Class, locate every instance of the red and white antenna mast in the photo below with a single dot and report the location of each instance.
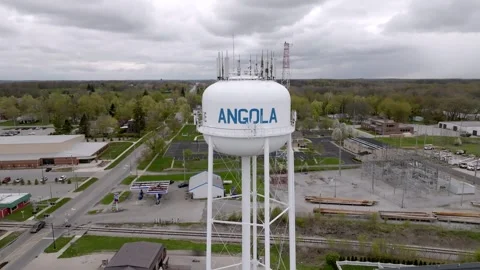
(286, 65)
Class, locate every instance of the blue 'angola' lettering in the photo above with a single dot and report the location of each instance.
(246, 116)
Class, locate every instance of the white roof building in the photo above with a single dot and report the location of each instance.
(197, 185)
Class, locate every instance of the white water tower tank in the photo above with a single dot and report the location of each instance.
(239, 114)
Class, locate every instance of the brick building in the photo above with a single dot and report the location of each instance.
(385, 127)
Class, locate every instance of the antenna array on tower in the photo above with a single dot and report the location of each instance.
(266, 70)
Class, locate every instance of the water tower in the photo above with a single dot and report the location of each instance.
(249, 115)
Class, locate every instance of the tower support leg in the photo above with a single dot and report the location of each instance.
(254, 214)
(291, 206)
(246, 204)
(266, 180)
(209, 204)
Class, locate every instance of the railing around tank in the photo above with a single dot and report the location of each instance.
(198, 121)
(245, 133)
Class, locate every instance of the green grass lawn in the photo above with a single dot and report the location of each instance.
(127, 153)
(201, 165)
(108, 199)
(471, 145)
(52, 208)
(160, 163)
(59, 244)
(9, 238)
(179, 177)
(89, 244)
(27, 211)
(124, 196)
(114, 149)
(128, 180)
(187, 133)
(86, 185)
(77, 179)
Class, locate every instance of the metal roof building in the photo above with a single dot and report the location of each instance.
(138, 256)
(11, 202)
(34, 151)
(197, 185)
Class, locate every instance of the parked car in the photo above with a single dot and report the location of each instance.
(6, 180)
(18, 180)
(182, 185)
(463, 165)
(428, 147)
(62, 178)
(460, 152)
(48, 169)
(37, 226)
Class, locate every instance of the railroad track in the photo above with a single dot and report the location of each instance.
(236, 237)
(303, 240)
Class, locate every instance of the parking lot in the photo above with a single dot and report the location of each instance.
(26, 131)
(32, 174)
(40, 191)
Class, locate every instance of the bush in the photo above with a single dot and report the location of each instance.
(331, 258)
(29, 182)
(36, 182)
(22, 182)
(69, 181)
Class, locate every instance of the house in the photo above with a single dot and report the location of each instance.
(385, 127)
(27, 119)
(197, 186)
(128, 126)
(139, 256)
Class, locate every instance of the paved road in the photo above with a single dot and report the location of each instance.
(26, 248)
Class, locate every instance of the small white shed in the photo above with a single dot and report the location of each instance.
(197, 185)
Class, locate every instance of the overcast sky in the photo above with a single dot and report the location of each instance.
(179, 39)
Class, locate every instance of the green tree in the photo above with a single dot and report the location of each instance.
(112, 110)
(139, 117)
(106, 124)
(84, 126)
(317, 110)
(67, 127)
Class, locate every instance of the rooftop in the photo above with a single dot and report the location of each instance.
(372, 141)
(201, 179)
(137, 255)
(6, 198)
(463, 123)
(10, 200)
(37, 139)
(79, 150)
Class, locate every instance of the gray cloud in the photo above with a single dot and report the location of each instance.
(438, 16)
(243, 17)
(110, 39)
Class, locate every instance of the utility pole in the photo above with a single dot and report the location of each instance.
(53, 236)
(339, 168)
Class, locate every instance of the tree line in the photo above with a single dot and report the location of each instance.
(98, 110)
(399, 100)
